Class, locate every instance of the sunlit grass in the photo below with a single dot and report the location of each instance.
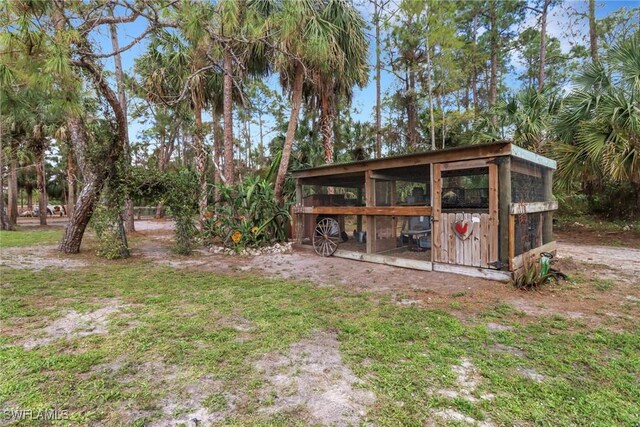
(30, 237)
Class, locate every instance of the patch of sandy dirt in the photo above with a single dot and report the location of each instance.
(185, 400)
(586, 237)
(608, 262)
(501, 348)
(30, 258)
(468, 378)
(453, 416)
(74, 325)
(313, 378)
(532, 374)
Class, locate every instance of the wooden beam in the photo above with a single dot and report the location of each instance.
(385, 259)
(518, 262)
(436, 220)
(470, 152)
(483, 273)
(494, 210)
(547, 216)
(504, 204)
(366, 210)
(359, 218)
(383, 177)
(533, 207)
(512, 236)
(532, 157)
(298, 220)
(370, 196)
(467, 164)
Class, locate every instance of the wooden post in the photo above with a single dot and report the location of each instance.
(359, 217)
(512, 238)
(394, 219)
(436, 205)
(298, 218)
(370, 194)
(547, 217)
(504, 203)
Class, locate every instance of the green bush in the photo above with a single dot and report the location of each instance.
(247, 215)
(112, 241)
(180, 195)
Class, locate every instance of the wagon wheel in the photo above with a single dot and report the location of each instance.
(326, 237)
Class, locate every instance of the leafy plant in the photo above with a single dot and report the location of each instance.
(247, 215)
(532, 276)
(181, 195)
(112, 242)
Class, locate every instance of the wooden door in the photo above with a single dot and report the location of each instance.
(464, 233)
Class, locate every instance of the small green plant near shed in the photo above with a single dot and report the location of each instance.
(247, 215)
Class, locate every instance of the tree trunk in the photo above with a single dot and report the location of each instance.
(129, 217)
(201, 163)
(474, 74)
(593, 31)
(495, 47)
(71, 182)
(543, 44)
(412, 119)
(430, 92)
(12, 207)
(218, 147)
(93, 175)
(5, 224)
(378, 73)
(326, 126)
(28, 188)
(227, 94)
(296, 102)
(82, 211)
(40, 179)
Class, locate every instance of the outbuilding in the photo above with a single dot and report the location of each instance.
(480, 210)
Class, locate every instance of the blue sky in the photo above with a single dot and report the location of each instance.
(364, 99)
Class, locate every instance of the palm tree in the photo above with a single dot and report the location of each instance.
(243, 27)
(305, 41)
(350, 48)
(598, 128)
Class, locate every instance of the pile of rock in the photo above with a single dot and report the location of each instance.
(278, 248)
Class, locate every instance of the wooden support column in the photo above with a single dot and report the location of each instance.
(359, 217)
(298, 218)
(436, 205)
(394, 219)
(547, 217)
(504, 204)
(370, 195)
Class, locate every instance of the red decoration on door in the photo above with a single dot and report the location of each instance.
(462, 229)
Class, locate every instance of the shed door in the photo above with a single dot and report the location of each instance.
(465, 213)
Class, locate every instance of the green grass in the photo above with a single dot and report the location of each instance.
(405, 354)
(30, 237)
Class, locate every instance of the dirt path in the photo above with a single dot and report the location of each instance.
(614, 262)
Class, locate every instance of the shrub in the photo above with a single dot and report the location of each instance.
(180, 195)
(107, 223)
(247, 215)
(533, 275)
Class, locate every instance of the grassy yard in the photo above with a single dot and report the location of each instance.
(171, 334)
(31, 237)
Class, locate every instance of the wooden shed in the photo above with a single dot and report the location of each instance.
(479, 210)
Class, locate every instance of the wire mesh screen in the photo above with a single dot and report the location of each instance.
(528, 232)
(526, 182)
(468, 188)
